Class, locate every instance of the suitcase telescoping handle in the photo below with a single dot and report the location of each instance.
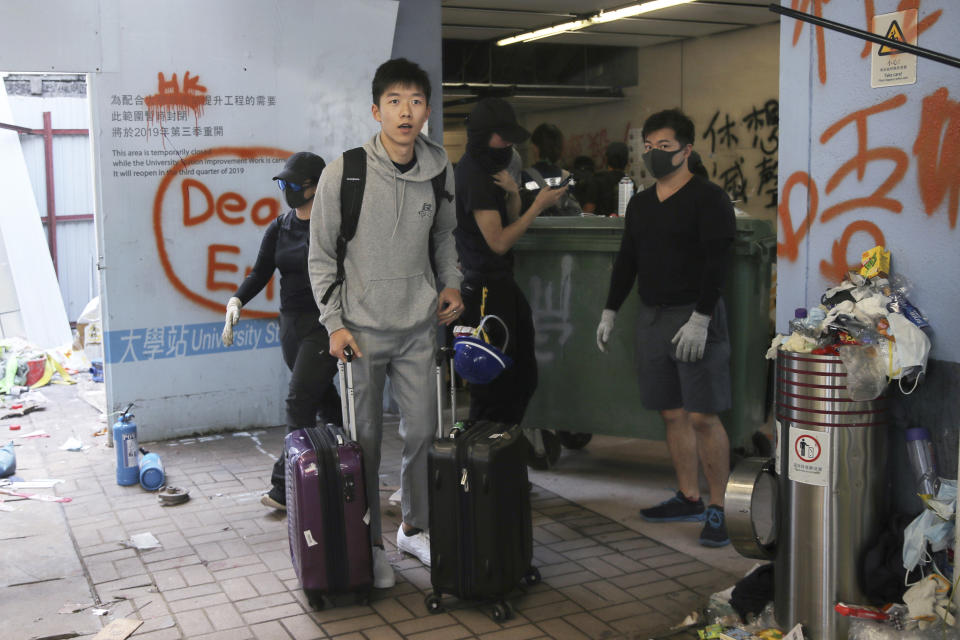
(347, 403)
(445, 354)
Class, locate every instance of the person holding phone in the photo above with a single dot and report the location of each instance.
(489, 223)
(547, 141)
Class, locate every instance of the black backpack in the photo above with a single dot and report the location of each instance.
(352, 183)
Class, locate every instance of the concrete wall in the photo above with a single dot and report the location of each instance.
(729, 80)
(862, 166)
(176, 231)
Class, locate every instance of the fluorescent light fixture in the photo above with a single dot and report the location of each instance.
(597, 18)
(545, 32)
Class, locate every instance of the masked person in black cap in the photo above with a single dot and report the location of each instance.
(675, 249)
(489, 223)
(303, 339)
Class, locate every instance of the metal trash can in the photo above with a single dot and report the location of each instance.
(830, 464)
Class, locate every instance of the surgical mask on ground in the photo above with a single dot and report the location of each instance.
(660, 163)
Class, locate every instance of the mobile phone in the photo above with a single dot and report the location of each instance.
(565, 182)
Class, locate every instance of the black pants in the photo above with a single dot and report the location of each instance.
(305, 346)
(506, 398)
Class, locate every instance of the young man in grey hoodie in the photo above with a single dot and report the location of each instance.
(387, 308)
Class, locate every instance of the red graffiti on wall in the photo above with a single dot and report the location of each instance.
(937, 149)
(911, 29)
(170, 95)
(228, 208)
(863, 157)
(802, 5)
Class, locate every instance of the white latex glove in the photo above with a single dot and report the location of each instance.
(605, 328)
(691, 339)
(233, 314)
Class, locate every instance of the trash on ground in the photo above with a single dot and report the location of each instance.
(99, 612)
(39, 433)
(118, 629)
(142, 541)
(74, 607)
(38, 483)
(42, 497)
(8, 460)
(73, 444)
(171, 496)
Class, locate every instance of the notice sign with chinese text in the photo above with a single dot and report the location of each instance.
(889, 67)
(809, 457)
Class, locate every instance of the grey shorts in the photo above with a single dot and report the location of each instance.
(666, 383)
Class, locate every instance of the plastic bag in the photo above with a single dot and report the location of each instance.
(866, 371)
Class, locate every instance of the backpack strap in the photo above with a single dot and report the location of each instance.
(352, 182)
(439, 183)
(537, 176)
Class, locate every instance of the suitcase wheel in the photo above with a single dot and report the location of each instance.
(434, 603)
(363, 598)
(532, 576)
(315, 601)
(501, 611)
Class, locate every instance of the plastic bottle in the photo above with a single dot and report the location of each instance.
(923, 461)
(797, 325)
(624, 193)
(814, 321)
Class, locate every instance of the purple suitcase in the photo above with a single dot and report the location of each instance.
(327, 515)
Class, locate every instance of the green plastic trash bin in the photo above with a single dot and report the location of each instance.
(563, 266)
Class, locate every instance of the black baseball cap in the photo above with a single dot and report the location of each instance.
(496, 116)
(302, 166)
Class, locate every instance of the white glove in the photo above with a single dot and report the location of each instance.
(605, 328)
(233, 314)
(691, 339)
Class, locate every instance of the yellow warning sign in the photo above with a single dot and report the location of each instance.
(890, 66)
(893, 33)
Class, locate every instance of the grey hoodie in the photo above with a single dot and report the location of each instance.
(389, 284)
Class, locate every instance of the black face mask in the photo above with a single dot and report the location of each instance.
(492, 160)
(296, 199)
(660, 163)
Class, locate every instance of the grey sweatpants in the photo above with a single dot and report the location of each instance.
(408, 358)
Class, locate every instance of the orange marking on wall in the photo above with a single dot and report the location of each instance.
(864, 156)
(910, 30)
(789, 248)
(170, 95)
(801, 5)
(223, 205)
(937, 149)
(836, 270)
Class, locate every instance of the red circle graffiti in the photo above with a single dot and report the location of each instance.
(242, 152)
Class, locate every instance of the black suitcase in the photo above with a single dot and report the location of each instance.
(481, 532)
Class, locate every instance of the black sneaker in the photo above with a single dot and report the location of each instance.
(714, 532)
(275, 499)
(677, 509)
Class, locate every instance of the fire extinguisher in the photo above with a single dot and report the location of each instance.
(125, 443)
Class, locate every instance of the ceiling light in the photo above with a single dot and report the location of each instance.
(597, 18)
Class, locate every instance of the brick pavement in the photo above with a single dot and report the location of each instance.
(224, 570)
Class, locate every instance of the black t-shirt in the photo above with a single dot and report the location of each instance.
(603, 192)
(476, 191)
(676, 250)
(403, 168)
(284, 246)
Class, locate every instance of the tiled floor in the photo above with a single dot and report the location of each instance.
(224, 569)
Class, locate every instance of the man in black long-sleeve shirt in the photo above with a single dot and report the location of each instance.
(675, 245)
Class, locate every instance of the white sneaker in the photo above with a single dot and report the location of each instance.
(383, 577)
(417, 545)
